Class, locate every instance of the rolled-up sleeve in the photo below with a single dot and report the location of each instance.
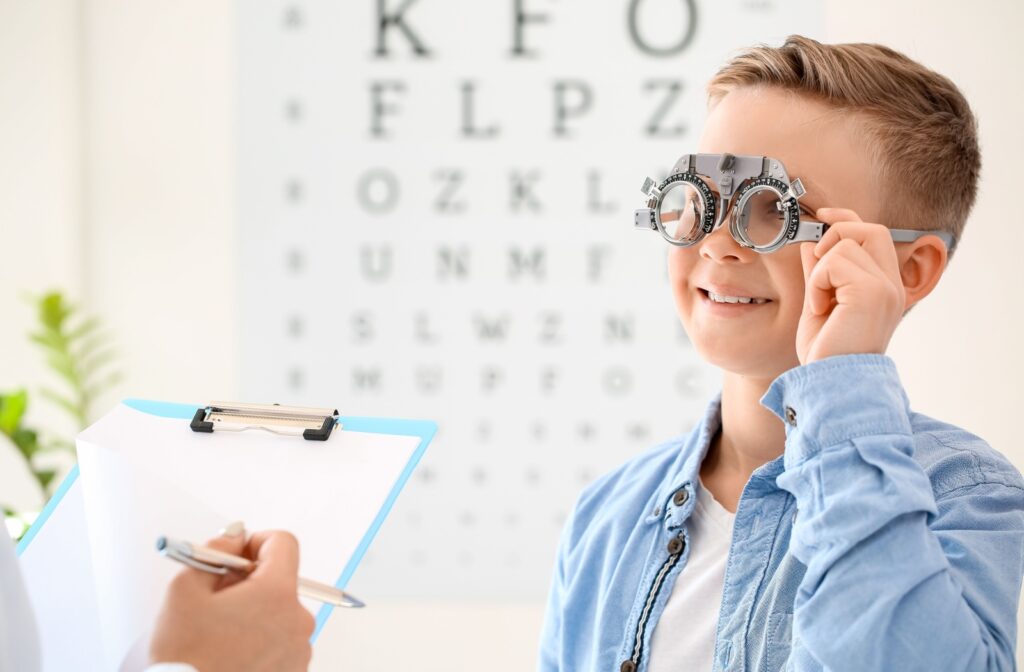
(899, 576)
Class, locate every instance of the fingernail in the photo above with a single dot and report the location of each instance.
(233, 530)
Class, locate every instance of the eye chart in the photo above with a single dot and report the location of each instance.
(435, 203)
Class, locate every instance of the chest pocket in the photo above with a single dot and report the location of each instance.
(780, 641)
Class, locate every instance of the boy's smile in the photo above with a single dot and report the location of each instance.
(816, 144)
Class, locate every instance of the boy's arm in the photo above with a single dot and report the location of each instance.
(895, 580)
(551, 632)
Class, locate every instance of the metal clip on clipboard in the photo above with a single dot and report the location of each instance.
(312, 424)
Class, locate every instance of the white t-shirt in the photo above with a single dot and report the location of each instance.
(684, 637)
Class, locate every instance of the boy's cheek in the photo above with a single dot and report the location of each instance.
(679, 261)
(788, 278)
(679, 267)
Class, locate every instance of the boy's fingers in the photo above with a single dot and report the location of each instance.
(856, 253)
(807, 259)
(831, 215)
(874, 238)
(812, 294)
(831, 275)
(840, 220)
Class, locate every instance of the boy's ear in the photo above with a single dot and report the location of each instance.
(922, 263)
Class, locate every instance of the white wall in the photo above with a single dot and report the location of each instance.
(158, 130)
(41, 193)
(116, 134)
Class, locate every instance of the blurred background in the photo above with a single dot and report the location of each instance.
(423, 209)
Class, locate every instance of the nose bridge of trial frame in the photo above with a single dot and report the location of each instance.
(727, 172)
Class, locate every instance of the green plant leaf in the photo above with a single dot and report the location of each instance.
(62, 364)
(26, 441)
(12, 408)
(49, 340)
(71, 407)
(87, 327)
(79, 352)
(45, 477)
(53, 310)
(88, 345)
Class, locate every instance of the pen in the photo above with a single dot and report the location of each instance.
(218, 562)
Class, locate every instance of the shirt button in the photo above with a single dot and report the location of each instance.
(791, 416)
(627, 666)
(680, 497)
(675, 545)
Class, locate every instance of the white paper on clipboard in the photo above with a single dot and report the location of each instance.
(93, 562)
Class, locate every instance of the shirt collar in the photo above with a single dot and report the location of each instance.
(694, 449)
(697, 446)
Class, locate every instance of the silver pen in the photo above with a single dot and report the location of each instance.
(218, 562)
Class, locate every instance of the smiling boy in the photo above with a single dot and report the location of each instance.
(811, 520)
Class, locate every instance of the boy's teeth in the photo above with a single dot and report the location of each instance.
(734, 299)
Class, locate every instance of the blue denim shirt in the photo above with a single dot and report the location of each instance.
(880, 540)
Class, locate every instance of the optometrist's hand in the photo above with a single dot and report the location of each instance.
(853, 293)
(219, 623)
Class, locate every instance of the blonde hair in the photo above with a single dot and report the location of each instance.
(924, 134)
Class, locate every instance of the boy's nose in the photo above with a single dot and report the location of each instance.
(721, 247)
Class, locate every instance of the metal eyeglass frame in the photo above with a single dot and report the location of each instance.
(740, 178)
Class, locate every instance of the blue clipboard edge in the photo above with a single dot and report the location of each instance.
(424, 429)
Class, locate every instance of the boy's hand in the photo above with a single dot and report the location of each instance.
(853, 292)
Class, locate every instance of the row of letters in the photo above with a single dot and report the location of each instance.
(380, 263)
(430, 380)
(544, 328)
(396, 19)
(379, 191)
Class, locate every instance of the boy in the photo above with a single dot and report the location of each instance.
(810, 520)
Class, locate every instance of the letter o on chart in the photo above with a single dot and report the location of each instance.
(378, 191)
(658, 19)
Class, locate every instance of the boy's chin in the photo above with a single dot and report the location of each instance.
(755, 362)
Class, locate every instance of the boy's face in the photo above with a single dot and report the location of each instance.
(821, 146)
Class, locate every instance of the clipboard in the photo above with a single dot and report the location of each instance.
(93, 575)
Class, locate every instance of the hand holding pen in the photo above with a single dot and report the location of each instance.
(233, 621)
(218, 562)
